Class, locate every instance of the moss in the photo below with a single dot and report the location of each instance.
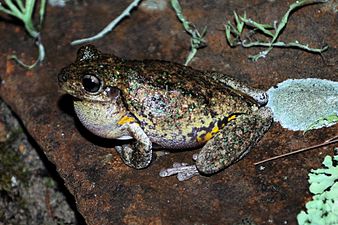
(12, 171)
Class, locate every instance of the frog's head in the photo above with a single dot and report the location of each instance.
(91, 77)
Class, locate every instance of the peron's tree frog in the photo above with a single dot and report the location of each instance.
(173, 106)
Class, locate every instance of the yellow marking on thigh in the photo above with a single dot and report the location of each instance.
(204, 137)
(207, 136)
(126, 119)
(232, 117)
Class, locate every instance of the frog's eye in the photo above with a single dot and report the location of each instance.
(91, 83)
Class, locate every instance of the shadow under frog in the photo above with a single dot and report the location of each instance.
(167, 104)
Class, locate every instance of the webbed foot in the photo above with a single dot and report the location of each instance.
(182, 170)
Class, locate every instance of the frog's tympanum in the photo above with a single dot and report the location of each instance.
(176, 107)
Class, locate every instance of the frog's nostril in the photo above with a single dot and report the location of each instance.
(63, 77)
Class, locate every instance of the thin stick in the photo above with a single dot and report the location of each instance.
(331, 139)
(327, 142)
(110, 26)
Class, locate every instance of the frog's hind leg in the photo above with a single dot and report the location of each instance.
(226, 147)
(234, 141)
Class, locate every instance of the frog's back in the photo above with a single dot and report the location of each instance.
(178, 106)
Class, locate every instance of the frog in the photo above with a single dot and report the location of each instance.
(152, 104)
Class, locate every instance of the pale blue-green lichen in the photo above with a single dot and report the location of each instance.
(298, 104)
(110, 26)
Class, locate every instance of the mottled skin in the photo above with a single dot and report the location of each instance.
(165, 103)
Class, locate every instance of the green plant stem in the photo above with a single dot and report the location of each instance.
(14, 9)
(20, 5)
(292, 7)
(262, 27)
(236, 31)
(110, 26)
(25, 14)
(42, 11)
(40, 58)
(197, 40)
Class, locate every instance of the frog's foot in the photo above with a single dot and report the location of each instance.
(134, 158)
(137, 154)
(182, 170)
(161, 153)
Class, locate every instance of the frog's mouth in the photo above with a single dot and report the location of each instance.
(88, 99)
(78, 93)
(65, 89)
(107, 95)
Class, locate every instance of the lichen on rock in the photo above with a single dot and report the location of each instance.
(298, 104)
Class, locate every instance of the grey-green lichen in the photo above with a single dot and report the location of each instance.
(298, 104)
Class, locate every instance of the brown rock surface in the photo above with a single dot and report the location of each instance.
(107, 191)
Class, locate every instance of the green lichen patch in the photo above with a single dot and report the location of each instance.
(323, 208)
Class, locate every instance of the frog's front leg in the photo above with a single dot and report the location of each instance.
(227, 146)
(137, 154)
(260, 96)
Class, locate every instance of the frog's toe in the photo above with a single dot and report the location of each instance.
(261, 98)
(118, 149)
(161, 153)
(182, 171)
